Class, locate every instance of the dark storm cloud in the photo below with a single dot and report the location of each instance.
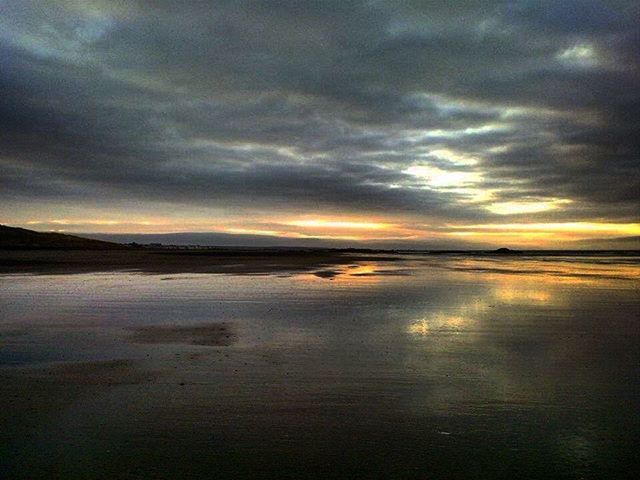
(322, 104)
(572, 17)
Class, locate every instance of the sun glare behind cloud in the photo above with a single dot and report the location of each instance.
(515, 208)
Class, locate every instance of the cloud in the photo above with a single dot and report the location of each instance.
(315, 107)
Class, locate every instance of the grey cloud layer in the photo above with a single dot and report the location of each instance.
(321, 104)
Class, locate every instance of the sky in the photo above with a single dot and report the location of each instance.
(433, 123)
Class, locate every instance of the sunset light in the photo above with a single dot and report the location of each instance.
(338, 224)
(395, 129)
(319, 239)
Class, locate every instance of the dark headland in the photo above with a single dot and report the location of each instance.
(30, 252)
(12, 238)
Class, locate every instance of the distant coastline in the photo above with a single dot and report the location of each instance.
(27, 252)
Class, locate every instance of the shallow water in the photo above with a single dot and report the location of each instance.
(432, 367)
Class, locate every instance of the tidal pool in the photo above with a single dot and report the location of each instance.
(428, 367)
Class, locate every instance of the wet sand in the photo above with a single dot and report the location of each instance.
(447, 368)
(108, 372)
(235, 261)
(213, 335)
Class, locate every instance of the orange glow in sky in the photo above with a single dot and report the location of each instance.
(355, 229)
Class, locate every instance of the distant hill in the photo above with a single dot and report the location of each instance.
(12, 238)
(218, 239)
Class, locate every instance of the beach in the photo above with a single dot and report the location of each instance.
(388, 366)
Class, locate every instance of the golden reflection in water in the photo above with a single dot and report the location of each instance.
(541, 287)
(361, 273)
(362, 270)
(420, 328)
(509, 289)
(440, 323)
(548, 272)
(455, 321)
(517, 294)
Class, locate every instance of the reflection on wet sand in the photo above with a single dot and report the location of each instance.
(359, 273)
(488, 371)
(439, 323)
(557, 269)
(465, 315)
(516, 294)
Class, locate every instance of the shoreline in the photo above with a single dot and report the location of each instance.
(227, 260)
(178, 261)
